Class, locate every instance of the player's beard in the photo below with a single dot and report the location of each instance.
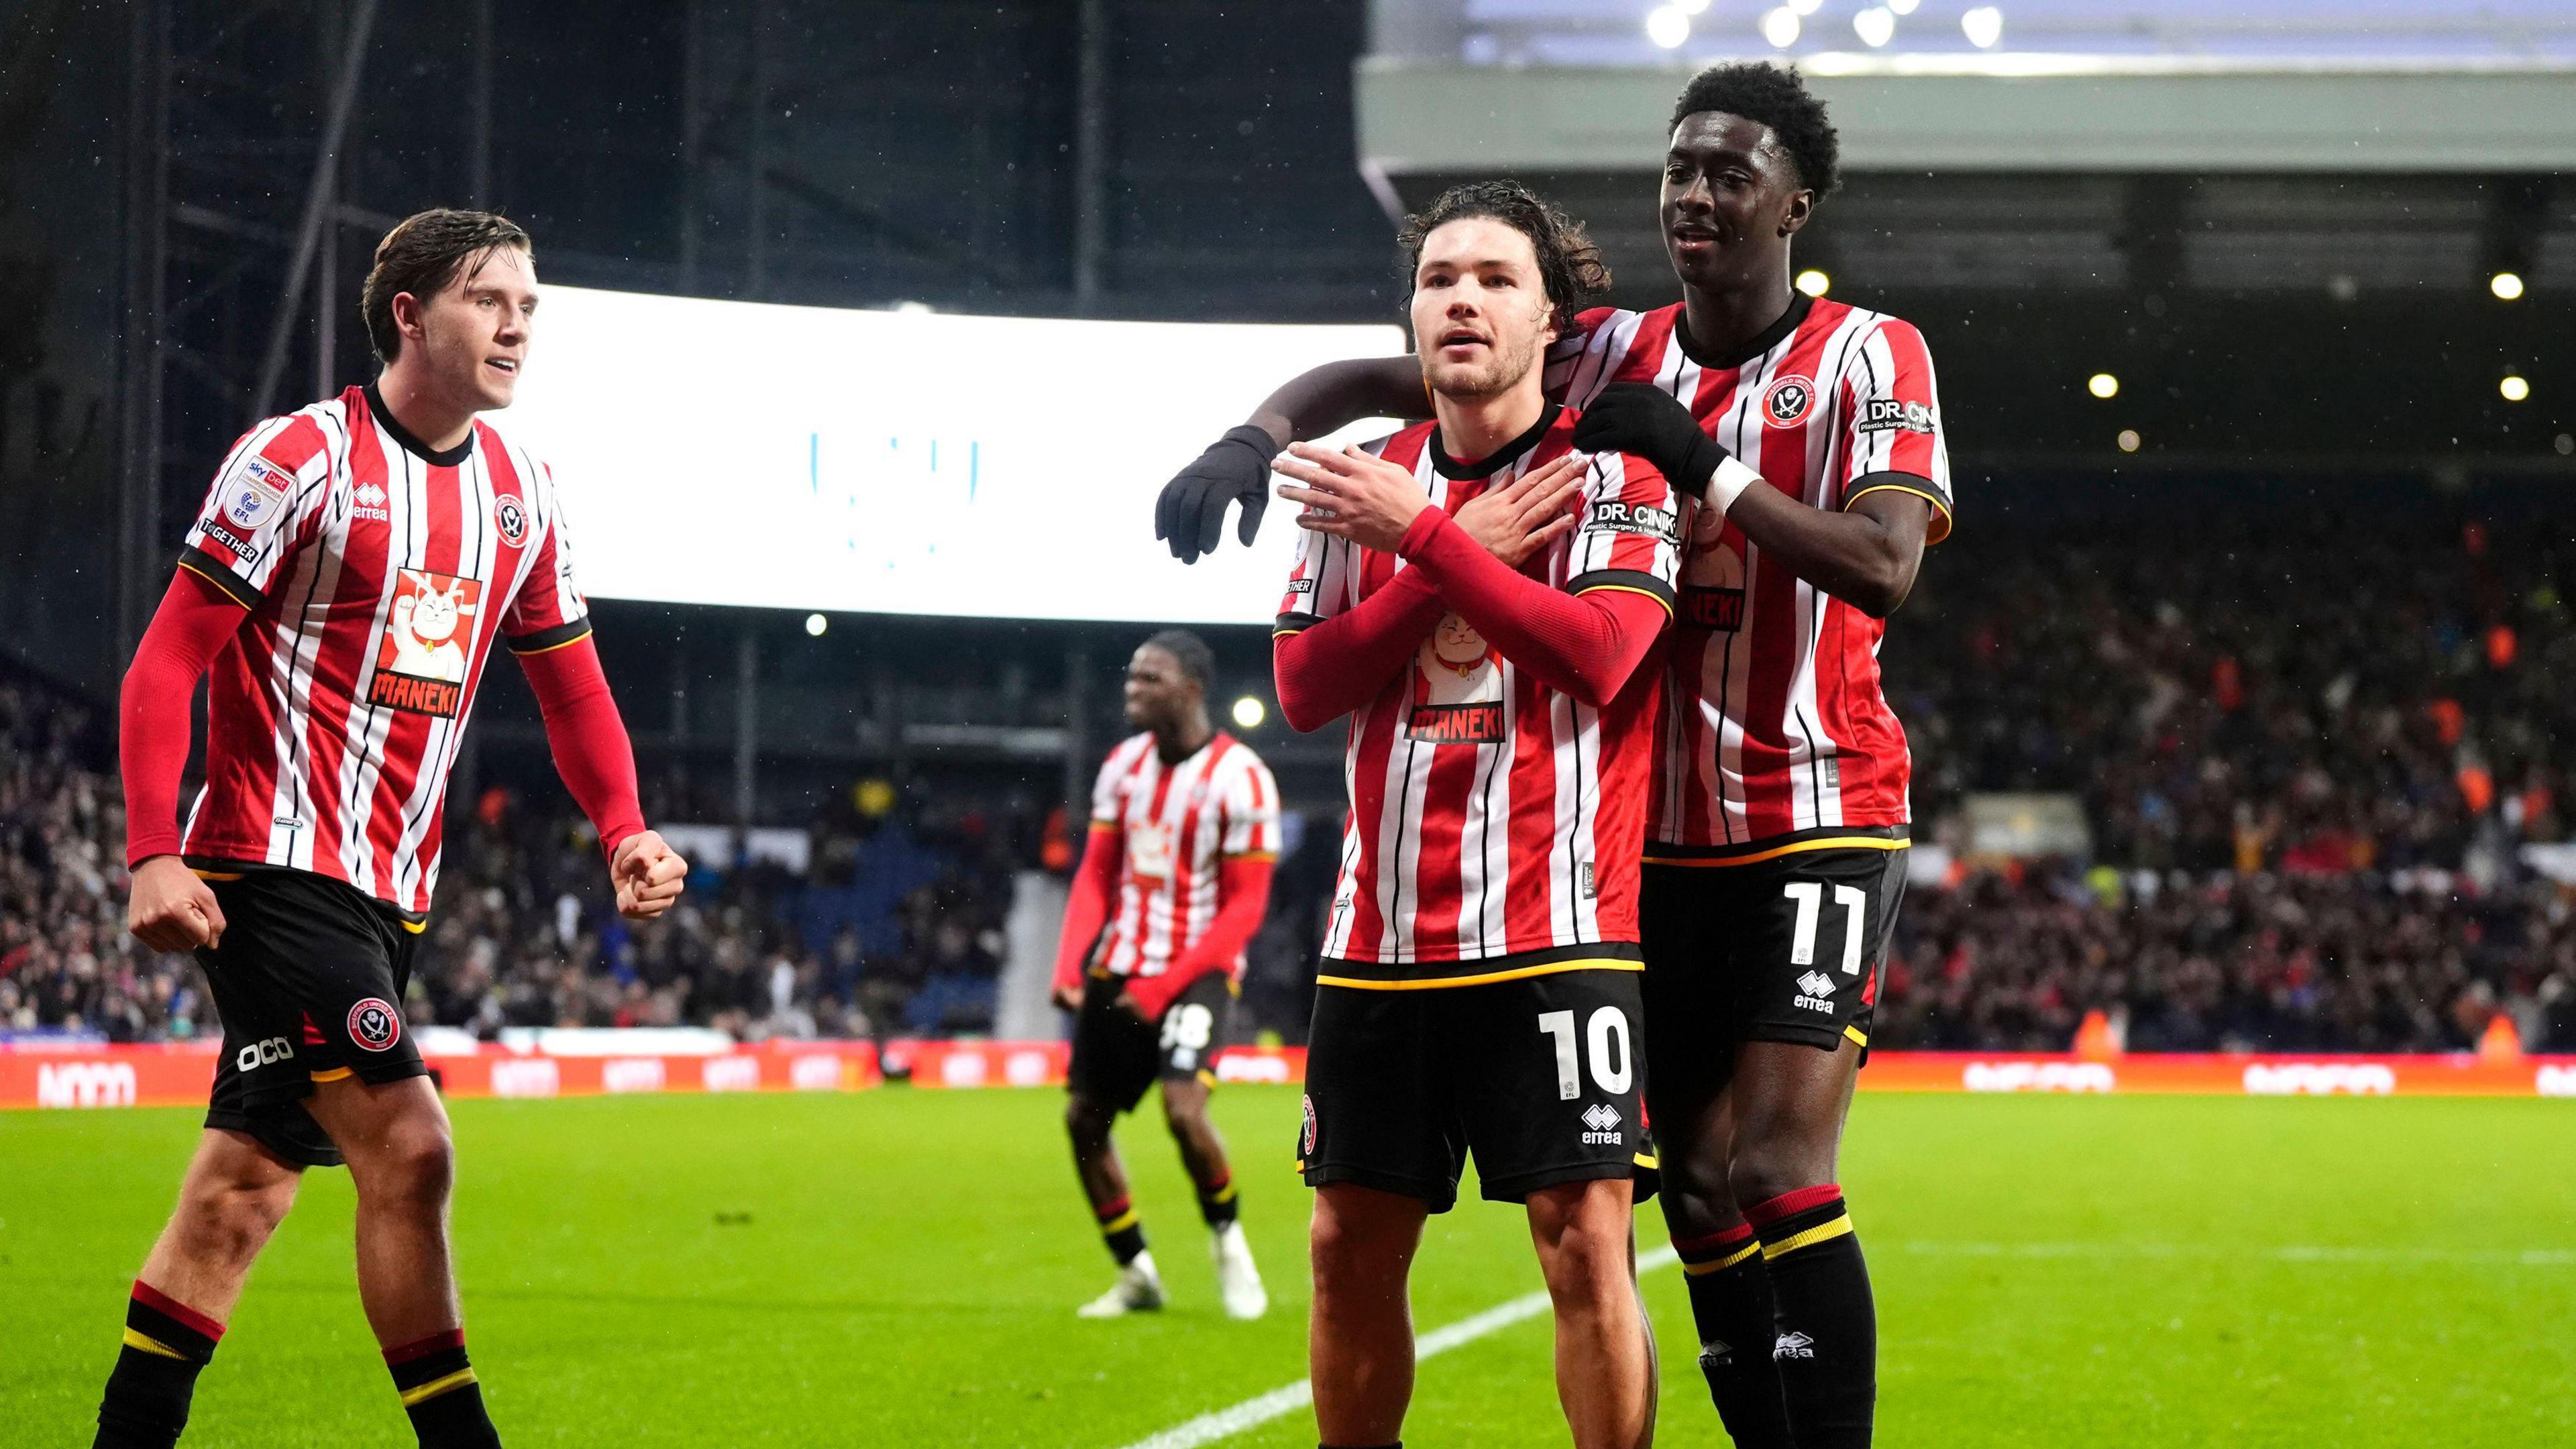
(1511, 362)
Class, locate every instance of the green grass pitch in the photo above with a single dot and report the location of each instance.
(900, 1268)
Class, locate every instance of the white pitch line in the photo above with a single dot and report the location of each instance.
(1287, 1399)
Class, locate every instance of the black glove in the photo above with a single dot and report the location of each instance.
(1190, 515)
(1632, 417)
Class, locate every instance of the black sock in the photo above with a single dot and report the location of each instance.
(1217, 1201)
(1121, 1229)
(440, 1393)
(1828, 1345)
(166, 1343)
(1730, 1295)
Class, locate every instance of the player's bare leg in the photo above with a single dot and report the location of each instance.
(1104, 1185)
(1730, 1284)
(1360, 1333)
(1581, 1231)
(1185, 1110)
(1789, 1103)
(402, 1161)
(231, 1200)
(234, 1195)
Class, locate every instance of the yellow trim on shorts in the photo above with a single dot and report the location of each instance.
(1517, 973)
(437, 1386)
(1207, 1079)
(1822, 1232)
(1858, 1036)
(415, 927)
(215, 874)
(1830, 842)
(1649, 1161)
(1271, 855)
(136, 1338)
(336, 1074)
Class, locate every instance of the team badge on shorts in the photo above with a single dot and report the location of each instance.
(1786, 402)
(373, 1024)
(510, 518)
(1306, 1141)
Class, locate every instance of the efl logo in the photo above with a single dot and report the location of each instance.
(2039, 1077)
(2314, 1079)
(85, 1084)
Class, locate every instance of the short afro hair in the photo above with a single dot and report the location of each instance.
(1568, 262)
(1188, 650)
(1777, 96)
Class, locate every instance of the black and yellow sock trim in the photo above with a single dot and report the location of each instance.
(1718, 1251)
(1217, 1205)
(1795, 1221)
(1121, 1228)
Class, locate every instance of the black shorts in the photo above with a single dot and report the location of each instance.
(1117, 1054)
(309, 981)
(1790, 949)
(1541, 1078)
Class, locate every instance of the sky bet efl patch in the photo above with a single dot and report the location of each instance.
(256, 495)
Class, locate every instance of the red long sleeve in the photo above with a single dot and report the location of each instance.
(186, 633)
(587, 738)
(1086, 910)
(1242, 894)
(1584, 645)
(1326, 671)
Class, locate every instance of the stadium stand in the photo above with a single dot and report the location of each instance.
(2309, 803)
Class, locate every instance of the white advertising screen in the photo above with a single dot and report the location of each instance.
(814, 458)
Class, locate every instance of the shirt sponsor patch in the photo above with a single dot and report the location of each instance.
(1712, 608)
(1614, 516)
(1889, 414)
(420, 659)
(1456, 724)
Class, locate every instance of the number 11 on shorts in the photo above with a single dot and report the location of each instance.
(1810, 897)
(1611, 1064)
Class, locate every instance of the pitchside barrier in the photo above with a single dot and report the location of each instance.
(41, 1072)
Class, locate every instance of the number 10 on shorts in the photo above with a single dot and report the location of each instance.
(1606, 1038)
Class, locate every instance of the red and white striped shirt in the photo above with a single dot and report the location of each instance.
(1776, 730)
(378, 573)
(1176, 822)
(1495, 822)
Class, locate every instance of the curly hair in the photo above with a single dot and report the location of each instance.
(1777, 96)
(1568, 262)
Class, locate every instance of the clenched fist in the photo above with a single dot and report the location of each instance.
(648, 875)
(169, 909)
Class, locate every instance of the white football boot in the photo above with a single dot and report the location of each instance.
(1139, 1290)
(1237, 1281)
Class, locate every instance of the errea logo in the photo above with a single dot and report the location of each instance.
(1816, 986)
(1601, 1124)
(1793, 1345)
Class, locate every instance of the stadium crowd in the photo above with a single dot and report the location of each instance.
(2308, 805)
